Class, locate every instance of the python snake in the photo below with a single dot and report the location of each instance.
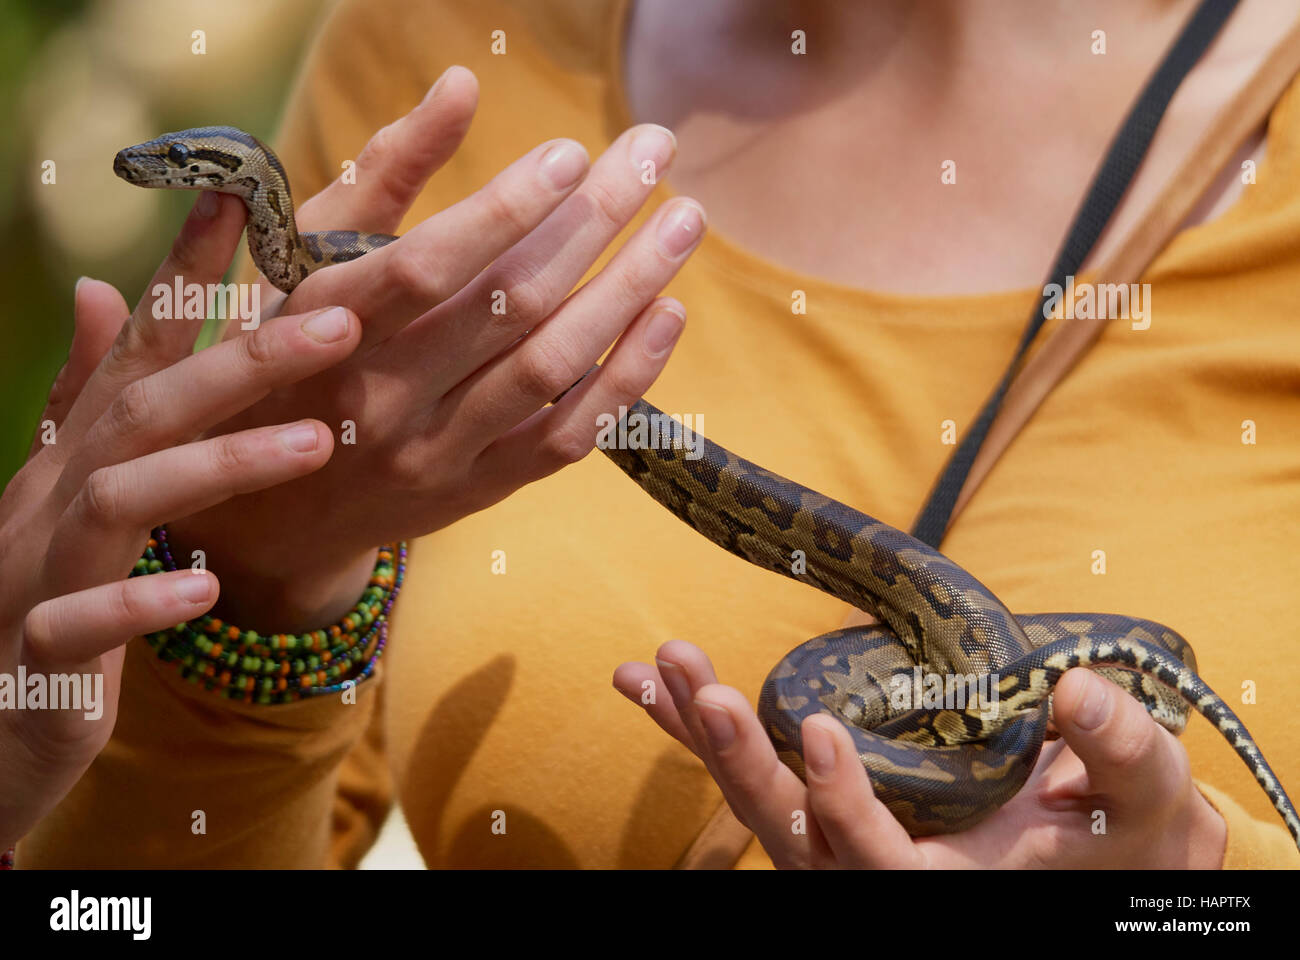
(941, 765)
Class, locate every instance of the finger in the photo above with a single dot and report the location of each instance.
(859, 830)
(543, 364)
(78, 627)
(533, 277)
(398, 160)
(762, 791)
(118, 504)
(180, 402)
(1129, 758)
(685, 669)
(562, 434)
(395, 284)
(643, 685)
(200, 255)
(99, 312)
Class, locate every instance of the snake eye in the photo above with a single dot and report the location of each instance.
(179, 154)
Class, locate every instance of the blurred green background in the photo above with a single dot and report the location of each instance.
(79, 80)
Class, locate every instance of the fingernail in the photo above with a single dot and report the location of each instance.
(564, 163)
(662, 331)
(328, 326)
(1095, 707)
(818, 750)
(207, 205)
(77, 286)
(675, 678)
(300, 438)
(433, 90)
(717, 724)
(680, 228)
(655, 144)
(193, 589)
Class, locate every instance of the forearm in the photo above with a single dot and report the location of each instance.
(191, 779)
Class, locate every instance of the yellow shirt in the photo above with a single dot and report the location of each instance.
(496, 690)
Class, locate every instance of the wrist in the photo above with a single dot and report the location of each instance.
(312, 590)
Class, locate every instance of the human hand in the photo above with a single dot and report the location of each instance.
(1112, 758)
(449, 398)
(115, 457)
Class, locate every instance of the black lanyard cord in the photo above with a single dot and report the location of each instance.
(1125, 155)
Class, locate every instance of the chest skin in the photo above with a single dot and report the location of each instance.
(832, 162)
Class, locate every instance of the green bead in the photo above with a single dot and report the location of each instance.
(250, 636)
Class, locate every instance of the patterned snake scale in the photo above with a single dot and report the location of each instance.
(939, 766)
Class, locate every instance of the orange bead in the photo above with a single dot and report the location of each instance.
(216, 650)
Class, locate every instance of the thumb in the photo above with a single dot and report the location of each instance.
(1128, 756)
(98, 314)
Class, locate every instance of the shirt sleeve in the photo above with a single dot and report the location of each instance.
(192, 779)
(1252, 844)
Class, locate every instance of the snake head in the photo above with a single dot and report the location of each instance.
(204, 158)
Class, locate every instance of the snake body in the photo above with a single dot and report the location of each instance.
(940, 765)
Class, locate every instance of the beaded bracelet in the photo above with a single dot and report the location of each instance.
(279, 667)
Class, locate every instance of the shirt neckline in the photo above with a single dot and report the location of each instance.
(761, 274)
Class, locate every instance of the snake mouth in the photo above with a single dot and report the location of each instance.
(141, 169)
